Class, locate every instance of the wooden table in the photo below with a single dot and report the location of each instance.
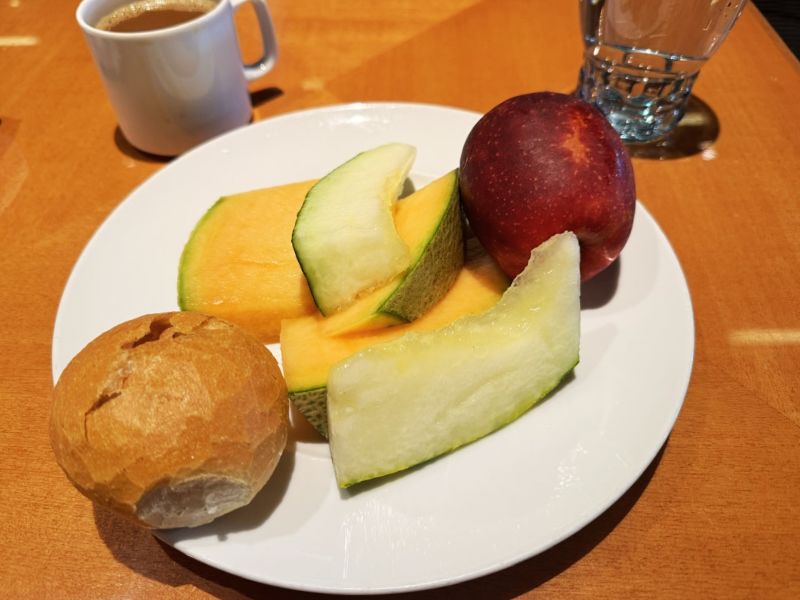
(717, 514)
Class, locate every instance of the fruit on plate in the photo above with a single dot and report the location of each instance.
(238, 263)
(309, 352)
(400, 403)
(429, 223)
(543, 163)
(345, 237)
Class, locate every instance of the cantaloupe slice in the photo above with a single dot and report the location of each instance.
(397, 404)
(309, 353)
(429, 222)
(238, 263)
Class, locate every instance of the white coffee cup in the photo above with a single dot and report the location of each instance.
(174, 88)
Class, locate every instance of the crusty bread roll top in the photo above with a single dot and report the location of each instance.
(171, 419)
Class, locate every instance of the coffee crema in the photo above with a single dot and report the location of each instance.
(149, 15)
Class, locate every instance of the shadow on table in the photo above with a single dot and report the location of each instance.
(128, 149)
(260, 97)
(696, 132)
(142, 552)
(257, 98)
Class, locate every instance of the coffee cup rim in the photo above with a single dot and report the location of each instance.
(140, 35)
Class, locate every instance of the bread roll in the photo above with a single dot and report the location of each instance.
(171, 419)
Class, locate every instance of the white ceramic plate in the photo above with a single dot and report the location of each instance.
(489, 505)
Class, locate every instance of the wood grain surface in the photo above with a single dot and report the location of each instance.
(717, 515)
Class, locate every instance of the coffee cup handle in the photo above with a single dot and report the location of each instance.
(264, 64)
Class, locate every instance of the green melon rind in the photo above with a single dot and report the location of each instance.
(187, 254)
(369, 439)
(436, 270)
(307, 264)
(312, 405)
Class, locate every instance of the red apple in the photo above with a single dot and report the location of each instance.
(543, 163)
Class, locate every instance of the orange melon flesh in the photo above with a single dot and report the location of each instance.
(309, 353)
(239, 264)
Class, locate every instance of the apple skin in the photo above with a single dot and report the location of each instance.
(542, 163)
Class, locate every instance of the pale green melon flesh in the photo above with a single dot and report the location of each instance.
(345, 238)
(397, 404)
(429, 221)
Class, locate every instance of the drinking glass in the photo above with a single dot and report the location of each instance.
(641, 58)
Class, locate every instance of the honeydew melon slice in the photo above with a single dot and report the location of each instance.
(308, 352)
(400, 403)
(429, 222)
(345, 237)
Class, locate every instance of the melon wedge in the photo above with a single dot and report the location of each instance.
(429, 222)
(309, 352)
(345, 237)
(398, 404)
(238, 263)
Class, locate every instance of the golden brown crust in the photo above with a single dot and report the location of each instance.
(164, 398)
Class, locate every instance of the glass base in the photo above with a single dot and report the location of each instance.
(641, 103)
